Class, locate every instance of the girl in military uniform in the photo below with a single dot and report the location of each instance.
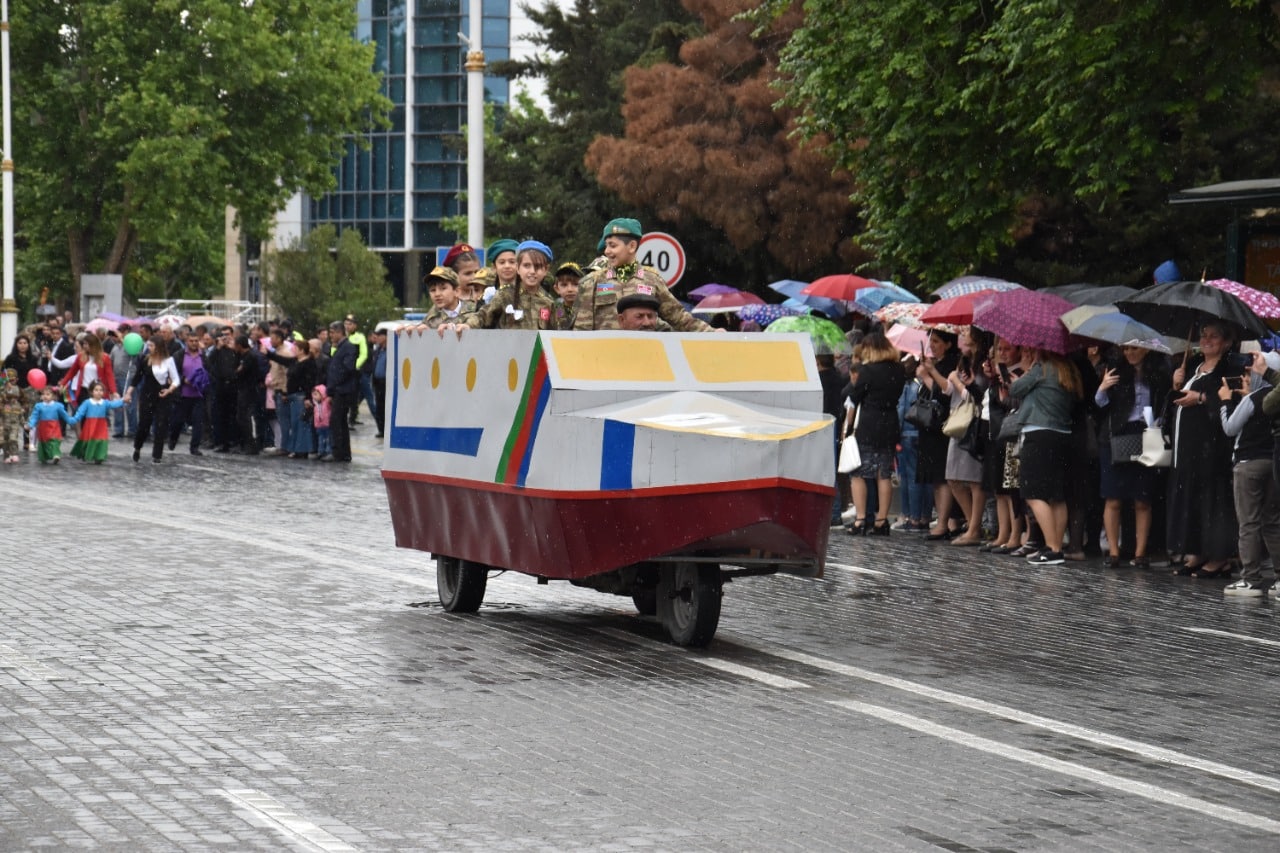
(524, 304)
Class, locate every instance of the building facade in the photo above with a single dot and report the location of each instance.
(396, 189)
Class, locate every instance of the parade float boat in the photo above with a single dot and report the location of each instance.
(651, 465)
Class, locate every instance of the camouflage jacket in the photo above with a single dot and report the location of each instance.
(437, 317)
(599, 292)
(516, 308)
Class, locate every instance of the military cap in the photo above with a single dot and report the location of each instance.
(459, 249)
(497, 247)
(537, 246)
(441, 274)
(638, 300)
(620, 228)
(570, 268)
(483, 276)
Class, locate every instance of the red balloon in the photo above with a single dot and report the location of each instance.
(36, 378)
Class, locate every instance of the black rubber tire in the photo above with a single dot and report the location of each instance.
(645, 599)
(689, 597)
(460, 584)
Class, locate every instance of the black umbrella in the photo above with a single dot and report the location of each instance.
(1181, 307)
(1091, 294)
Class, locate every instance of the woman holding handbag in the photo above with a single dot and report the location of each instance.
(1130, 391)
(875, 393)
(968, 386)
(931, 464)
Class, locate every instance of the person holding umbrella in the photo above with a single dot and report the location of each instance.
(1129, 393)
(1202, 519)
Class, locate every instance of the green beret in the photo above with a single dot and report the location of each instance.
(620, 228)
(441, 274)
(497, 247)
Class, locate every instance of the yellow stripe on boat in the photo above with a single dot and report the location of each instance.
(725, 361)
(611, 359)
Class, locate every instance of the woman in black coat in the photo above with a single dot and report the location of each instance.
(874, 394)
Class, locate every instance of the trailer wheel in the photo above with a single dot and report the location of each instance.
(460, 584)
(689, 602)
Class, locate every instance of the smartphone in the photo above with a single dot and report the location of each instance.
(1004, 373)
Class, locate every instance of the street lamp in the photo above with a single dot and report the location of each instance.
(475, 125)
(8, 308)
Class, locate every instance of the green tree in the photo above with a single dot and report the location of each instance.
(1039, 134)
(324, 277)
(704, 139)
(537, 182)
(139, 121)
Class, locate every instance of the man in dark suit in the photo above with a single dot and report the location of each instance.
(343, 383)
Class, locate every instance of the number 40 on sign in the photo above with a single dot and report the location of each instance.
(664, 253)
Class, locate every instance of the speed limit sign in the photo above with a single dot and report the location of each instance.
(664, 253)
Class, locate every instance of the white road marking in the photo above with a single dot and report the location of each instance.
(1035, 759)
(749, 672)
(275, 815)
(1154, 753)
(858, 570)
(1231, 636)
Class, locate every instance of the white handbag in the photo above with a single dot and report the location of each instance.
(1155, 453)
(850, 456)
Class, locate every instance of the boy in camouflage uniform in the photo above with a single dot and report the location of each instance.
(599, 291)
(446, 306)
(11, 420)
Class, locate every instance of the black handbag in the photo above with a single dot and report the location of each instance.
(1125, 446)
(925, 413)
(974, 440)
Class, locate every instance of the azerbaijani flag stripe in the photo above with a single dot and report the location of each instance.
(537, 366)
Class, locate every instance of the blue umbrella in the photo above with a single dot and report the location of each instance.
(766, 314)
(789, 287)
(887, 294)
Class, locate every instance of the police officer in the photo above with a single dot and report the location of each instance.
(599, 291)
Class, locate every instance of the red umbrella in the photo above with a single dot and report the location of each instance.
(957, 310)
(726, 303)
(1026, 318)
(844, 287)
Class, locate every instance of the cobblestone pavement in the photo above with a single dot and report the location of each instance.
(229, 653)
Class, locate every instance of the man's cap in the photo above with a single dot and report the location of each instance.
(537, 246)
(497, 247)
(441, 274)
(570, 268)
(638, 300)
(351, 318)
(458, 249)
(620, 228)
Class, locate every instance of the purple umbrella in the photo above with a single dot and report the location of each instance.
(1026, 318)
(710, 289)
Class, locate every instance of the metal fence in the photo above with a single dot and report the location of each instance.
(226, 310)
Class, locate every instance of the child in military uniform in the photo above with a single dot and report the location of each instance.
(446, 304)
(502, 259)
(524, 305)
(599, 291)
(567, 276)
(11, 404)
(464, 261)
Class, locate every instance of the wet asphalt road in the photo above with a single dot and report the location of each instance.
(230, 653)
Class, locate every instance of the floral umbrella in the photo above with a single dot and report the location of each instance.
(766, 314)
(827, 337)
(908, 314)
(1264, 304)
(1026, 318)
(711, 289)
(844, 287)
(101, 323)
(726, 303)
(973, 284)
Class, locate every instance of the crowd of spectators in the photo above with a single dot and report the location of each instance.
(233, 388)
(1051, 466)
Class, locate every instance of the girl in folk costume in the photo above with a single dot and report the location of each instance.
(47, 418)
(525, 303)
(91, 365)
(91, 415)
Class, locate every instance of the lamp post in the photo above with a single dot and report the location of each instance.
(475, 125)
(8, 308)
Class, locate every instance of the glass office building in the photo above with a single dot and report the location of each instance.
(396, 190)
